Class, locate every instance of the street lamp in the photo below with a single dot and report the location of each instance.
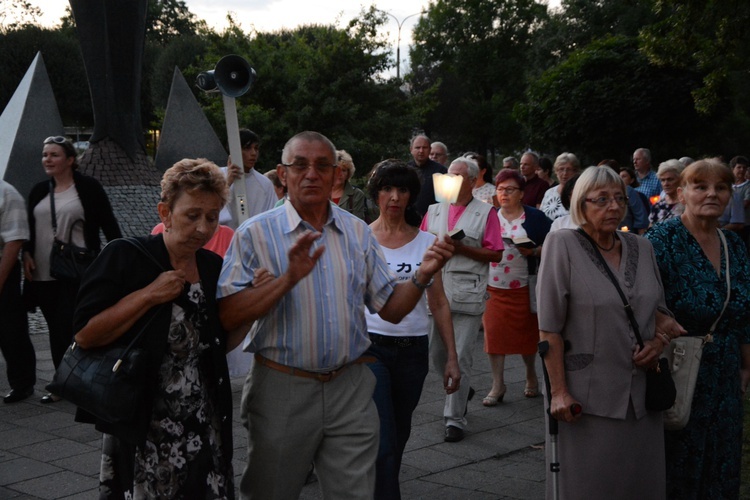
(398, 42)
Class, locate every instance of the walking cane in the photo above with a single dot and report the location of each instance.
(575, 409)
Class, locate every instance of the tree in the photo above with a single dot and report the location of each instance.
(606, 99)
(471, 55)
(707, 36)
(579, 22)
(62, 58)
(17, 13)
(320, 78)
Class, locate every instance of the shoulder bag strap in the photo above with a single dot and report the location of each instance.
(613, 279)
(52, 208)
(139, 246)
(729, 284)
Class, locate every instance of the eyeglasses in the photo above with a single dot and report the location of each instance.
(507, 190)
(604, 201)
(301, 166)
(56, 139)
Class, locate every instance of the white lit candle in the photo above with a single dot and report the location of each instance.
(447, 187)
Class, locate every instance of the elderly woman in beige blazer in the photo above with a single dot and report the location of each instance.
(614, 449)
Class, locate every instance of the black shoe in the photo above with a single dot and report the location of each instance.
(49, 398)
(16, 395)
(471, 395)
(453, 434)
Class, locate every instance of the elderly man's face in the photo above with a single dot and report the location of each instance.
(420, 150)
(528, 166)
(438, 154)
(467, 184)
(310, 173)
(640, 162)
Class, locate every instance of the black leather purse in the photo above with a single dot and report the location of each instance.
(660, 389)
(66, 260)
(108, 382)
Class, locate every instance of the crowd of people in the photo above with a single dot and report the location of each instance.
(544, 250)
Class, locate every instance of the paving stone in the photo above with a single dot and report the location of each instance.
(54, 449)
(496, 460)
(58, 485)
(22, 469)
(86, 463)
(16, 438)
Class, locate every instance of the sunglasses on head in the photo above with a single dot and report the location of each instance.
(56, 139)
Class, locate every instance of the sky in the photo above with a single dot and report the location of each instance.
(272, 15)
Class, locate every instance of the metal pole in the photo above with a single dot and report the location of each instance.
(398, 40)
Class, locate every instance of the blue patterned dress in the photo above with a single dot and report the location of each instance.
(703, 459)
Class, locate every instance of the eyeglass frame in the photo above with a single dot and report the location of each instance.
(606, 201)
(505, 189)
(321, 169)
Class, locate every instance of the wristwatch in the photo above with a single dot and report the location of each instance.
(420, 285)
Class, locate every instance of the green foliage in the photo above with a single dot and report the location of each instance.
(472, 55)
(708, 36)
(15, 14)
(606, 99)
(62, 58)
(597, 77)
(316, 78)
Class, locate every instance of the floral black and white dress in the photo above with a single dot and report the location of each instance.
(183, 456)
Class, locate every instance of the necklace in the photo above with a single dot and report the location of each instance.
(614, 240)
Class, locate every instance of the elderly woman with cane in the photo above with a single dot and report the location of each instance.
(613, 448)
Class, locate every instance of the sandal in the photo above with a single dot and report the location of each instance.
(493, 400)
(531, 392)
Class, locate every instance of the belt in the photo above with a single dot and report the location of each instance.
(299, 372)
(395, 341)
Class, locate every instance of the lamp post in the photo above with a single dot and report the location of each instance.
(398, 42)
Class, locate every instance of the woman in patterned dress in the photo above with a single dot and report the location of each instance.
(703, 459)
(509, 325)
(669, 205)
(566, 166)
(180, 444)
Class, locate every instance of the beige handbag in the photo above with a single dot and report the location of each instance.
(684, 356)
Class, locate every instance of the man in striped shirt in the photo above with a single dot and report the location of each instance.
(309, 396)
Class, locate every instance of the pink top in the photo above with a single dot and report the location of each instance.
(493, 234)
(218, 243)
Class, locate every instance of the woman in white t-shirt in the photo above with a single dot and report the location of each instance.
(402, 350)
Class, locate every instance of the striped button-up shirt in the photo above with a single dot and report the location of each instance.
(320, 324)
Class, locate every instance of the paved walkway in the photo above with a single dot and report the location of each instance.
(44, 454)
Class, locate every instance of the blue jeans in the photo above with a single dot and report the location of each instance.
(400, 373)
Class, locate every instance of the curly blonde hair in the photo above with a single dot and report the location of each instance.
(190, 175)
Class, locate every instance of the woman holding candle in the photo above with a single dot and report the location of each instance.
(401, 350)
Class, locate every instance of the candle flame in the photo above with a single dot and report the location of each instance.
(447, 187)
(654, 199)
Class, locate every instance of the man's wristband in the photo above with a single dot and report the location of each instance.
(420, 285)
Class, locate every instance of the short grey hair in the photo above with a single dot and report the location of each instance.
(472, 169)
(674, 166)
(568, 158)
(686, 160)
(440, 145)
(590, 180)
(411, 142)
(307, 136)
(533, 155)
(646, 153)
(512, 160)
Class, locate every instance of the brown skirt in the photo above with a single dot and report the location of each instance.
(509, 326)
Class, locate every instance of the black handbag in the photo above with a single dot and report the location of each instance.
(66, 260)
(108, 382)
(660, 389)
